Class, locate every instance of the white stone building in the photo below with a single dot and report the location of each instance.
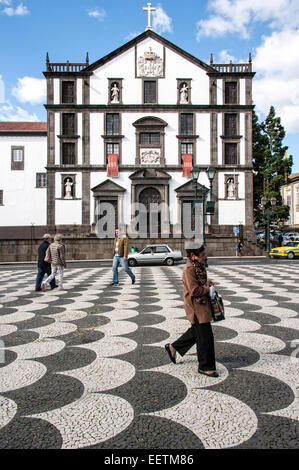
(290, 197)
(128, 129)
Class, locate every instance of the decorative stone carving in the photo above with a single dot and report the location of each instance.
(68, 189)
(184, 98)
(114, 93)
(150, 65)
(231, 188)
(150, 157)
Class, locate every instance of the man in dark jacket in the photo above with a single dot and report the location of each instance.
(42, 266)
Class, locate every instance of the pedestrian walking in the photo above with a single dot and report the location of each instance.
(121, 248)
(42, 266)
(58, 264)
(198, 311)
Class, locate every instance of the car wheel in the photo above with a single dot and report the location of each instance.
(132, 262)
(291, 255)
(169, 261)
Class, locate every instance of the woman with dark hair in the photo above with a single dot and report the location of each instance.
(198, 311)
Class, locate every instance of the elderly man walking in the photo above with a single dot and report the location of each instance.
(42, 266)
(120, 247)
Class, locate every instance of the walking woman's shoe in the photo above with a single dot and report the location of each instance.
(171, 357)
(213, 374)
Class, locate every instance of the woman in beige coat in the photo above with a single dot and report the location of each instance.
(198, 311)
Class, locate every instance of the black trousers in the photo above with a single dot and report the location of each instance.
(200, 334)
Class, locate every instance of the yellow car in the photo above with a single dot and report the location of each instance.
(290, 250)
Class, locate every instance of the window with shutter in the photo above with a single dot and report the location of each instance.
(231, 154)
(149, 138)
(68, 124)
(150, 91)
(68, 153)
(68, 92)
(231, 93)
(230, 125)
(41, 180)
(186, 124)
(112, 124)
(1, 197)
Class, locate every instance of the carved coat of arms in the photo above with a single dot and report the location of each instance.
(150, 157)
(150, 65)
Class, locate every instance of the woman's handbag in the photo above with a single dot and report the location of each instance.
(217, 306)
(48, 257)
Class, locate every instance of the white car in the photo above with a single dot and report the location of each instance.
(155, 254)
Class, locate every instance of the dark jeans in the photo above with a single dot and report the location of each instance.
(200, 334)
(40, 276)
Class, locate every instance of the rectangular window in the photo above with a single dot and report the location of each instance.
(112, 124)
(149, 138)
(150, 91)
(231, 93)
(68, 153)
(231, 154)
(297, 196)
(17, 155)
(68, 92)
(1, 197)
(17, 158)
(68, 124)
(41, 180)
(111, 148)
(186, 148)
(230, 125)
(186, 124)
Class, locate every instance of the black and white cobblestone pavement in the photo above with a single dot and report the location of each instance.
(87, 368)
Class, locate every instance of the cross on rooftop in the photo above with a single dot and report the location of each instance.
(149, 10)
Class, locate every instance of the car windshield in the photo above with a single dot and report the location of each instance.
(291, 244)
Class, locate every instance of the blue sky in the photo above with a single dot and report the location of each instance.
(229, 29)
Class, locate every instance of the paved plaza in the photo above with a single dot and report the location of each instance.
(86, 367)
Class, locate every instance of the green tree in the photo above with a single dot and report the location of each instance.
(270, 165)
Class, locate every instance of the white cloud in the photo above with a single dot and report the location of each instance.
(132, 36)
(9, 112)
(30, 90)
(99, 15)
(276, 62)
(238, 16)
(20, 10)
(225, 57)
(162, 23)
(2, 90)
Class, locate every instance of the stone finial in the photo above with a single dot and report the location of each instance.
(250, 58)
(87, 58)
(212, 59)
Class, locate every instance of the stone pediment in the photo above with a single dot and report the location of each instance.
(150, 174)
(187, 189)
(108, 187)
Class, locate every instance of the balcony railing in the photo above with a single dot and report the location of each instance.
(232, 68)
(66, 66)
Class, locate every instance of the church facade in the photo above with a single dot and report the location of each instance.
(128, 129)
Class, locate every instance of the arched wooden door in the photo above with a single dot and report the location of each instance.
(151, 198)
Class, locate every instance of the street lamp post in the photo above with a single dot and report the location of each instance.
(268, 210)
(202, 192)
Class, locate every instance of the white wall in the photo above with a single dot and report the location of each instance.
(24, 204)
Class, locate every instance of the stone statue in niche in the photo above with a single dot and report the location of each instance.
(231, 188)
(68, 188)
(184, 98)
(114, 93)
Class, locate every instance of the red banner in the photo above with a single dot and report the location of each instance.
(112, 169)
(187, 165)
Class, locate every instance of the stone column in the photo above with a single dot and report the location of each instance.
(86, 198)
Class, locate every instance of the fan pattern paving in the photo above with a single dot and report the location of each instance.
(86, 367)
